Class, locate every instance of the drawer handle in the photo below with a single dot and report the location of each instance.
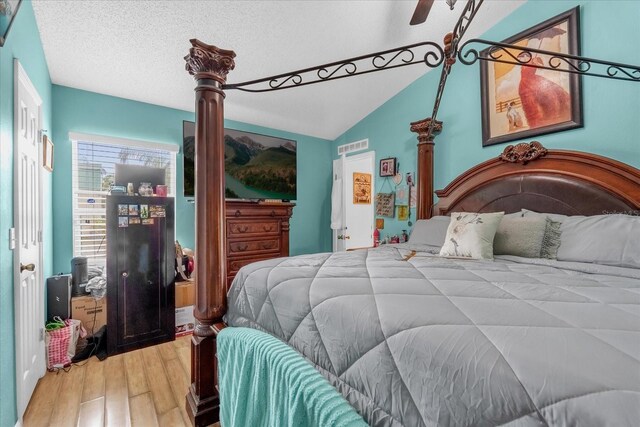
(242, 229)
(273, 213)
(242, 248)
(268, 245)
(238, 213)
(269, 228)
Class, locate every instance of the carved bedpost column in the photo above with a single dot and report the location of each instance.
(209, 65)
(425, 164)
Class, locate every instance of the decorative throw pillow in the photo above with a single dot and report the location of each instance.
(470, 235)
(530, 237)
(552, 216)
(552, 239)
(520, 236)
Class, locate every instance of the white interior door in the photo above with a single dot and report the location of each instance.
(337, 209)
(29, 298)
(359, 217)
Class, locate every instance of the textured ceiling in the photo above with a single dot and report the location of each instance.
(134, 50)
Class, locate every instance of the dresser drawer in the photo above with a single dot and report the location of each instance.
(239, 228)
(247, 247)
(233, 265)
(244, 210)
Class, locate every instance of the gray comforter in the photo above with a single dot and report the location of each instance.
(413, 339)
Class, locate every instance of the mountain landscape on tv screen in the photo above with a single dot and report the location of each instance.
(256, 166)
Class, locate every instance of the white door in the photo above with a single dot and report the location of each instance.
(29, 299)
(359, 217)
(337, 207)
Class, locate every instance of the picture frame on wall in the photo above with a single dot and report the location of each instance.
(8, 11)
(521, 102)
(361, 188)
(388, 166)
(385, 204)
(47, 153)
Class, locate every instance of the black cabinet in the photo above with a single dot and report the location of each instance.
(140, 272)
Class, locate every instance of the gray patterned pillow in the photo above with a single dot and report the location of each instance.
(552, 239)
(530, 237)
(520, 236)
(470, 235)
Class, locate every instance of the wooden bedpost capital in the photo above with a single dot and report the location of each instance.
(421, 127)
(206, 61)
(426, 133)
(210, 66)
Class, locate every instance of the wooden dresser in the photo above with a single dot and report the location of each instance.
(255, 231)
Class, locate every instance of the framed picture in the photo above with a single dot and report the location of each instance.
(47, 152)
(388, 166)
(520, 102)
(402, 195)
(8, 11)
(403, 213)
(385, 204)
(361, 188)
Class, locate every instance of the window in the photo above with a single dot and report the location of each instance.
(93, 168)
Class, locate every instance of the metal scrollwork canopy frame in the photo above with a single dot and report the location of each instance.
(519, 55)
(433, 55)
(429, 53)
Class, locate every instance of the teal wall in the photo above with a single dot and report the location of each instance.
(611, 108)
(609, 30)
(24, 44)
(88, 112)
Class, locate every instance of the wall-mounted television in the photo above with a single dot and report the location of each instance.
(256, 166)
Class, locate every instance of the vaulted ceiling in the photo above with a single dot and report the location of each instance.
(135, 50)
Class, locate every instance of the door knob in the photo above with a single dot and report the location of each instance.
(28, 267)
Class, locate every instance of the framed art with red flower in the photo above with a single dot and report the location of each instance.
(520, 101)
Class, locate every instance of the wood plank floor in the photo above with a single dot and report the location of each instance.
(141, 388)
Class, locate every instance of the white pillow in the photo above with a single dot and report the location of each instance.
(470, 235)
(601, 239)
(430, 231)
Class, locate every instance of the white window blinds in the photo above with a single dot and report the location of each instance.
(93, 168)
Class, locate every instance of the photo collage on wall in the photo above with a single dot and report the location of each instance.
(139, 214)
(401, 198)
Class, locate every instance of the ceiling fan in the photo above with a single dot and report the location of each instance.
(422, 10)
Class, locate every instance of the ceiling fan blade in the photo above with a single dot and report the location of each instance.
(421, 12)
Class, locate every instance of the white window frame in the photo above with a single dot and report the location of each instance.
(76, 137)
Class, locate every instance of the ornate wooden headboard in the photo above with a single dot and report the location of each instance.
(531, 177)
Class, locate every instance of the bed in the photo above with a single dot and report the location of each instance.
(436, 341)
(511, 342)
(412, 339)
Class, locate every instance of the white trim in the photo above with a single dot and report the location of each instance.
(21, 75)
(78, 136)
(367, 154)
(19, 423)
